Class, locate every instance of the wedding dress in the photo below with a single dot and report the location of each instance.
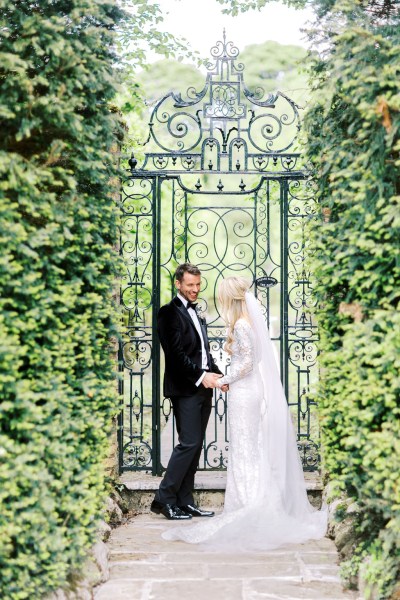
(266, 502)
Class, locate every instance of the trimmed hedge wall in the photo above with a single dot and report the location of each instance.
(57, 264)
(353, 142)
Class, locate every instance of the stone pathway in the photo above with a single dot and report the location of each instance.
(143, 566)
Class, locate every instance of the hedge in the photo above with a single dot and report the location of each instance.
(57, 269)
(353, 143)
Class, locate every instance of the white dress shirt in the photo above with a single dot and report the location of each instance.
(193, 315)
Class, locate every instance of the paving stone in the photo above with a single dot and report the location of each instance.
(196, 590)
(227, 559)
(122, 590)
(259, 589)
(319, 558)
(265, 570)
(205, 480)
(139, 487)
(122, 554)
(143, 566)
(150, 571)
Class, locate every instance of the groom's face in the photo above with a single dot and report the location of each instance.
(189, 287)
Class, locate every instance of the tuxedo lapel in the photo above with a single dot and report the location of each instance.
(183, 310)
(205, 339)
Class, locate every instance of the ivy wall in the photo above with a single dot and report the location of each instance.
(353, 142)
(57, 270)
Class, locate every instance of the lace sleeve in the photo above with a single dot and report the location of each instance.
(242, 360)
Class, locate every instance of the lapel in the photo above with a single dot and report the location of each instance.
(205, 339)
(183, 310)
(203, 328)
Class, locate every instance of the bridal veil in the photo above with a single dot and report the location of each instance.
(281, 512)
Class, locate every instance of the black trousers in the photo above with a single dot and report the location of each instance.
(191, 416)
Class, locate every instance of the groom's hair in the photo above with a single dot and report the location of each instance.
(186, 268)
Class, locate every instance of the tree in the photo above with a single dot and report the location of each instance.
(237, 6)
(275, 66)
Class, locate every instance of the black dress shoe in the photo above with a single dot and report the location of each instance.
(170, 511)
(194, 511)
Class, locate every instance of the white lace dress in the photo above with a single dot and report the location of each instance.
(253, 516)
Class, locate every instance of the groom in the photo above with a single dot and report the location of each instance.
(189, 378)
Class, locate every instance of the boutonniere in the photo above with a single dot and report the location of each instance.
(202, 317)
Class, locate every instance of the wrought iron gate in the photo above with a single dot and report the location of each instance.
(222, 186)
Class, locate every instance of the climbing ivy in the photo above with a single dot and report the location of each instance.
(57, 267)
(353, 143)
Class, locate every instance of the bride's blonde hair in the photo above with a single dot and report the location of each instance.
(231, 296)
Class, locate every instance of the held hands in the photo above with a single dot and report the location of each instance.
(210, 380)
(224, 387)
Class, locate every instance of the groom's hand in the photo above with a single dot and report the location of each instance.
(210, 380)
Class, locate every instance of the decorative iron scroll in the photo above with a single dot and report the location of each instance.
(223, 186)
(226, 127)
(137, 250)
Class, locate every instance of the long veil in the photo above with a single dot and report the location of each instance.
(280, 454)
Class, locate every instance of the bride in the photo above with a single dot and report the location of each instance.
(266, 502)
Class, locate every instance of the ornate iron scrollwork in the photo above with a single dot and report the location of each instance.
(222, 186)
(224, 114)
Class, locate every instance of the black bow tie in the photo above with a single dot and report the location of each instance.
(191, 305)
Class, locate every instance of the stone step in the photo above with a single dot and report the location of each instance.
(137, 489)
(143, 566)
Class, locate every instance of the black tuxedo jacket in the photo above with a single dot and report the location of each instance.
(182, 348)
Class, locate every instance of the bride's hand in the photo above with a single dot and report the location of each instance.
(224, 387)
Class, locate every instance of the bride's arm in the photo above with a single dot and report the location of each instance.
(240, 368)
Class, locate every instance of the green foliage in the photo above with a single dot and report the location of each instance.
(141, 31)
(353, 142)
(165, 76)
(237, 6)
(57, 268)
(273, 66)
(269, 65)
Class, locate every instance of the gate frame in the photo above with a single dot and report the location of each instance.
(232, 90)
